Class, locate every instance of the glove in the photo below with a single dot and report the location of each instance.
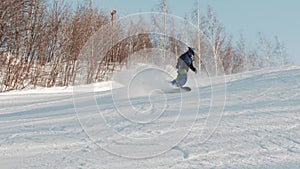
(194, 69)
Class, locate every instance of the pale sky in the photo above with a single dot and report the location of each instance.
(271, 17)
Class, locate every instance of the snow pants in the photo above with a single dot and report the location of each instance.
(181, 78)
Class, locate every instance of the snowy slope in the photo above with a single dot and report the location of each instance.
(96, 127)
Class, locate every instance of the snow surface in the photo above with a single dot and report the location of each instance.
(109, 126)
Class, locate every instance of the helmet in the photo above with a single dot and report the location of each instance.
(191, 51)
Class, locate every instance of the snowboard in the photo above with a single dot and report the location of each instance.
(178, 90)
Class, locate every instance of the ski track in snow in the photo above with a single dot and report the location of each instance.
(259, 127)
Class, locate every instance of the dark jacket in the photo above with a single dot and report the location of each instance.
(185, 61)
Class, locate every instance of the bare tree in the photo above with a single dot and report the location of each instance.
(16, 36)
(216, 36)
(280, 51)
(242, 51)
(196, 16)
(266, 47)
(54, 57)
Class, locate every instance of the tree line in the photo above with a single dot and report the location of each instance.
(40, 43)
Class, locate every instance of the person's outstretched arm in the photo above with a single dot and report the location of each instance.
(193, 68)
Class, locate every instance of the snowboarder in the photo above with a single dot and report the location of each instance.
(184, 63)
